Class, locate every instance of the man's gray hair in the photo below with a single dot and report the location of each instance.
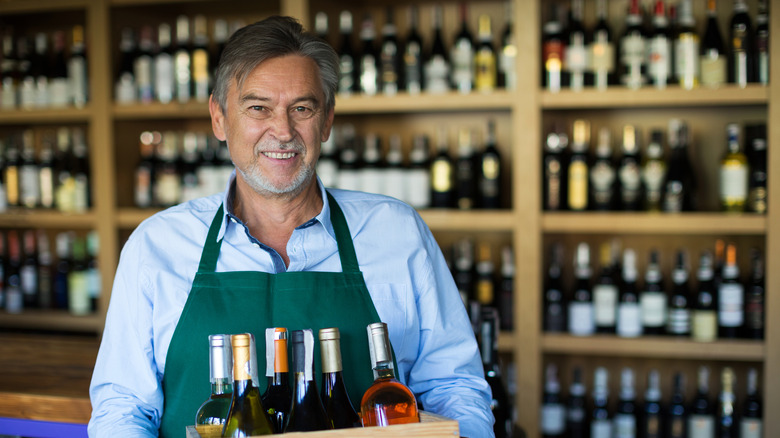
(274, 37)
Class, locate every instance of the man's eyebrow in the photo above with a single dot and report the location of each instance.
(251, 97)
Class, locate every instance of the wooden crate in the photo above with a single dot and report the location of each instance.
(431, 426)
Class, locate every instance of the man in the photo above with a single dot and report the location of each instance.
(277, 249)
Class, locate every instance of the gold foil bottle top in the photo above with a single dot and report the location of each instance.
(242, 365)
(379, 345)
(330, 350)
(581, 135)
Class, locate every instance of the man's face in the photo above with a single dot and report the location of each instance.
(274, 124)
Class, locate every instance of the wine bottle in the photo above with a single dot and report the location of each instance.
(679, 184)
(554, 319)
(629, 173)
(278, 394)
(306, 412)
(28, 270)
(212, 414)
(602, 49)
(733, 173)
(553, 47)
(219, 35)
(761, 51)
(395, 172)
(500, 404)
(506, 289)
(418, 175)
(348, 64)
(41, 68)
(704, 324)
(629, 322)
(686, 48)
(653, 299)
(163, 65)
(368, 60)
(576, 54)
(321, 26)
(581, 321)
(29, 178)
(462, 55)
(633, 60)
(654, 172)
(507, 68)
(182, 60)
(372, 172)
(741, 61)
(485, 73)
(387, 401)
(349, 159)
(625, 414)
(678, 322)
(442, 173)
(59, 92)
(188, 165)
(754, 298)
(463, 270)
(713, 50)
(554, 194)
(731, 297)
(26, 89)
(576, 417)
(78, 288)
(11, 171)
(143, 66)
(485, 284)
(437, 67)
(200, 59)
(246, 416)
(578, 169)
(600, 423)
(755, 138)
(335, 398)
(701, 422)
(605, 293)
(466, 171)
(9, 74)
(652, 415)
(603, 174)
(45, 273)
(14, 299)
(94, 282)
(389, 57)
(659, 48)
(553, 421)
(751, 424)
(167, 184)
(63, 245)
(413, 55)
(328, 164)
(490, 171)
(727, 426)
(124, 88)
(676, 421)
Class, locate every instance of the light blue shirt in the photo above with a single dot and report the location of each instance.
(403, 267)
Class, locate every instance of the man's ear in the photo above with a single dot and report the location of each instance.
(327, 126)
(217, 119)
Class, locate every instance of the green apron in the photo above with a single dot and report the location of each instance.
(239, 302)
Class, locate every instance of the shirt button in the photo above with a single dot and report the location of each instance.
(232, 219)
(256, 245)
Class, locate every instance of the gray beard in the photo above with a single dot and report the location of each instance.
(263, 186)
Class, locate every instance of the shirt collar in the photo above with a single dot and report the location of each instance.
(228, 198)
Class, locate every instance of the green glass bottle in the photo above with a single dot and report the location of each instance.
(246, 416)
(307, 412)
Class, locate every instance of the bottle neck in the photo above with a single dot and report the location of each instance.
(383, 371)
(242, 387)
(221, 386)
(279, 379)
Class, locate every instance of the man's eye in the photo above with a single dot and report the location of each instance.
(301, 109)
(257, 108)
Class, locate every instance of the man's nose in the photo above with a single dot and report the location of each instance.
(283, 127)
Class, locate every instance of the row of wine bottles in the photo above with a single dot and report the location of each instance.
(46, 168)
(722, 306)
(44, 70)
(32, 278)
(576, 178)
(240, 410)
(654, 417)
(473, 179)
(655, 48)
(389, 64)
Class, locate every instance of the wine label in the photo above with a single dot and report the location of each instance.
(601, 429)
(578, 185)
(730, 305)
(553, 420)
(751, 428)
(625, 426)
(419, 180)
(653, 305)
(705, 326)
(629, 323)
(581, 321)
(713, 70)
(701, 426)
(733, 183)
(686, 55)
(605, 297)
(660, 60)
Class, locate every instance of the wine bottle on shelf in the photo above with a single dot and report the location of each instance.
(507, 68)
(485, 284)
(387, 401)
(740, 49)
(727, 425)
(335, 398)
(45, 272)
(704, 324)
(761, 51)
(27, 74)
(713, 51)
(278, 395)
(143, 65)
(28, 270)
(553, 411)
(437, 67)
(633, 60)
(464, 275)
(200, 59)
(125, 86)
(490, 171)
(701, 422)
(731, 297)
(78, 287)
(389, 57)
(554, 319)
(575, 61)
(485, 75)
(652, 416)
(182, 60)
(395, 172)
(676, 420)
(751, 423)
(629, 319)
(626, 412)
(576, 416)
(63, 245)
(348, 62)
(733, 173)
(9, 73)
(602, 50)
(629, 174)
(188, 167)
(659, 48)
(678, 322)
(554, 184)
(59, 92)
(581, 322)
(413, 55)
(686, 48)
(14, 299)
(754, 298)
(220, 34)
(755, 139)
(418, 175)
(211, 415)
(145, 170)
(368, 60)
(679, 184)
(164, 81)
(500, 404)
(11, 171)
(605, 292)
(246, 416)
(306, 412)
(442, 173)
(29, 177)
(94, 282)
(466, 171)
(349, 159)
(654, 172)
(321, 26)
(653, 299)
(372, 172)
(578, 169)
(462, 54)
(506, 289)
(603, 174)
(41, 68)
(600, 422)
(553, 48)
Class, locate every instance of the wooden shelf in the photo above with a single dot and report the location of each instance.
(46, 116)
(406, 103)
(58, 320)
(654, 223)
(25, 218)
(157, 111)
(47, 6)
(672, 96)
(654, 347)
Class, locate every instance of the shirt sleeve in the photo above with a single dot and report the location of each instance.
(125, 390)
(448, 375)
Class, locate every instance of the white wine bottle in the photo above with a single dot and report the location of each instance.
(246, 416)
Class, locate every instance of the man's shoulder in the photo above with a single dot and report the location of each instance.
(370, 211)
(181, 217)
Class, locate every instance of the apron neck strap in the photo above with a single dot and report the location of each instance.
(208, 259)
